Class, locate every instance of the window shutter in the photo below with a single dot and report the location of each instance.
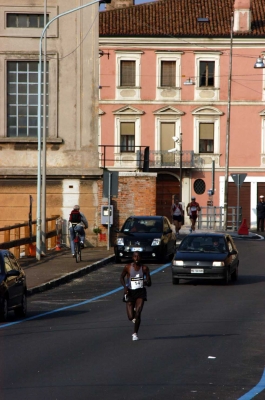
(207, 131)
(127, 73)
(127, 128)
(168, 73)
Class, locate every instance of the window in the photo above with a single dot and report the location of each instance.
(127, 131)
(13, 261)
(207, 73)
(8, 265)
(199, 186)
(22, 98)
(206, 138)
(167, 131)
(127, 77)
(25, 20)
(128, 74)
(168, 73)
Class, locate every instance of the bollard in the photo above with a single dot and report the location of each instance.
(243, 229)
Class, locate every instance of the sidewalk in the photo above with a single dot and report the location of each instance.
(58, 267)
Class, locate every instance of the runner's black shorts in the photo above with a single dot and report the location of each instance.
(177, 218)
(133, 295)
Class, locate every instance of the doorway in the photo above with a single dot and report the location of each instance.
(166, 187)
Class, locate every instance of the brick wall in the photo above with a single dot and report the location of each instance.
(136, 196)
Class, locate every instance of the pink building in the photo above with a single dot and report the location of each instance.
(164, 83)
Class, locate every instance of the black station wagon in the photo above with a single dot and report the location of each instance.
(152, 236)
(13, 287)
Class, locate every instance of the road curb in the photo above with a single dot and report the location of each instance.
(69, 277)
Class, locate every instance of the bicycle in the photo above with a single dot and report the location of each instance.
(77, 247)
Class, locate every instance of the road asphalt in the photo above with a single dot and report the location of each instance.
(58, 267)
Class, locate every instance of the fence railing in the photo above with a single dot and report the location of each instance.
(163, 158)
(20, 236)
(213, 218)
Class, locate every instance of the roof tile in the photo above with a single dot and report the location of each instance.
(179, 18)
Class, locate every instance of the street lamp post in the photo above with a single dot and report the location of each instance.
(40, 174)
(178, 140)
(43, 187)
(227, 141)
(180, 167)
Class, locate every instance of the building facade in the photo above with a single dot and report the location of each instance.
(72, 167)
(165, 85)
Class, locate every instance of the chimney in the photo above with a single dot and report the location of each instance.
(242, 16)
(119, 4)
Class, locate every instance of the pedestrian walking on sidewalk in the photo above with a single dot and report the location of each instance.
(78, 223)
(134, 277)
(260, 214)
(177, 214)
(192, 211)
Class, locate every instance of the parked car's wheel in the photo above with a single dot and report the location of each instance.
(234, 274)
(226, 277)
(4, 311)
(21, 311)
(162, 258)
(175, 281)
(117, 259)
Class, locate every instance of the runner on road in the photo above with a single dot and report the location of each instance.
(138, 276)
(192, 211)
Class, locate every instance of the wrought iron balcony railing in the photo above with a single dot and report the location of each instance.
(111, 155)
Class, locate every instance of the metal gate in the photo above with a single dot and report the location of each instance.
(213, 218)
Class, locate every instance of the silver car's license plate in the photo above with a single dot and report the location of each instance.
(197, 271)
(137, 249)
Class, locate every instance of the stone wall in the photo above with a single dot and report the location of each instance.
(136, 196)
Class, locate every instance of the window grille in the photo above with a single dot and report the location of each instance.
(199, 186)
(22, 98)
(25, 20)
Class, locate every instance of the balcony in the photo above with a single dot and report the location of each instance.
(164, 159)
(112, 156)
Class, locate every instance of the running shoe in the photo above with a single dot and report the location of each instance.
(73, 255)
(135, 336)
(133, 321)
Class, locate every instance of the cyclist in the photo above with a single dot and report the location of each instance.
(78, 223)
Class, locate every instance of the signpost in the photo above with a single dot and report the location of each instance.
(238, 179)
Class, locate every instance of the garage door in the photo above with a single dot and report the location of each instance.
(261, 189)
(244, 199)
